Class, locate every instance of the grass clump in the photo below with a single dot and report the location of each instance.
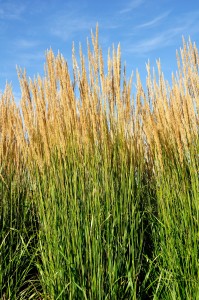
(99, 187)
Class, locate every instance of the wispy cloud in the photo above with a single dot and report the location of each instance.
(65, 29)
(3, 74)
(25, 43)
(131, 6)
(180, 25)
(11, 11)
(66, 25)
(155, 42)
(27, 59)
(190, 22)
(154, 21)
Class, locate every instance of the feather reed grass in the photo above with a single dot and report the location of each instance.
(98, 186)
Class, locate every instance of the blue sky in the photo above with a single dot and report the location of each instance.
(146, 29)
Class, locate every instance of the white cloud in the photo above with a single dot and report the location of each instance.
(25, 43)
(65, 28)
(158, 37)
(27, 59)
(131, 6)
(155, 42)
(11, 11)
(154, 21)
(65, 24)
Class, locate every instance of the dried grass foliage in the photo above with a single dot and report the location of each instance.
(93, 107)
